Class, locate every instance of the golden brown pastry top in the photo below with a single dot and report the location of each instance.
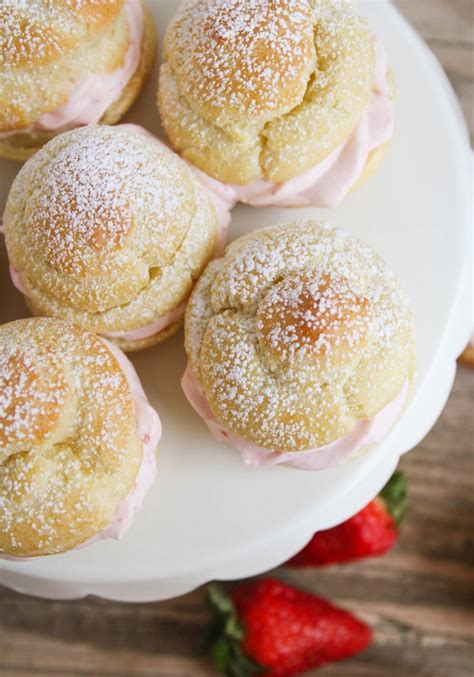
(273, 86)
(47, 45)
(33, 32)
(108, 228)
(231, 56)
(69, 445)
(297, 333)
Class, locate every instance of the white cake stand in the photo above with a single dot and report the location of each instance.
(208, 515)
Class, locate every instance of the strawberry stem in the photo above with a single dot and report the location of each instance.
(227, 633)
(394, 495)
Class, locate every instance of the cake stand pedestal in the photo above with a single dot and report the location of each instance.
(209, 516)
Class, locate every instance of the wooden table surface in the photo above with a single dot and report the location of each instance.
(419, 598)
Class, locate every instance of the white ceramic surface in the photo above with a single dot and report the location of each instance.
(208, 515)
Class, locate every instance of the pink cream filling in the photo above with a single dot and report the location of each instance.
(149, 428)
(175, 315)
(221, 204)
(150, 329)
(366, 432)
(89, 99)
(145, 332)
(327, 183)
(17, 281)
(166, 320)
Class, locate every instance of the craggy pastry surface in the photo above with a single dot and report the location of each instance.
(70, 449)
(108, 229)
(272, 87)
(296, 334)
(47, 48)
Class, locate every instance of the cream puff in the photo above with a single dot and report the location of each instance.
(300, 343)
(67, 64)
(276, 102)
(109, 229)
(77, 439)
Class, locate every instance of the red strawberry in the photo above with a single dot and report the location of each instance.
(372, 531)
(272, 628)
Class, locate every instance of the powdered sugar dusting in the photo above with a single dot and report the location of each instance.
(46, 47)
(244, 54)
(274, 85)
(36, 30)
(29, 406)
(89, 193)
(108, 229)
(312, 313)
(298, 333)
(25, 32)
(68, 438)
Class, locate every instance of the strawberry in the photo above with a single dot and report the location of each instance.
(372, 531)
(271, 628)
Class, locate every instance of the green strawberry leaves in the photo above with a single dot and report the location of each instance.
(226, 635)
(394, 495)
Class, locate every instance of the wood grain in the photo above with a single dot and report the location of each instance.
(419, 598)
(448, 28)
